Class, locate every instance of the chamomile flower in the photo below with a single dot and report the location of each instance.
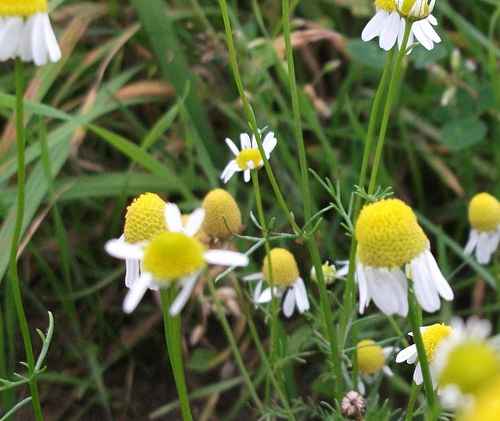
(389, 26)
(484, 218)
(222, 215)
(173, 256)
(432, 337)
(415, 9)
(389, 238)
(371, 359)
(26, 32)
(145, 219)
(330, 272)
(281, 273)
(249, 157)
(465, 362)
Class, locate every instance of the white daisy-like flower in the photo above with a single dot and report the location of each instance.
(389, 26)
(331, 272)
(432, 337)
(249, 157)
(484, 218)
(285, 277)
(172, 256)
(390, 238)
(465, 362)
(372, 359)
(26, 32)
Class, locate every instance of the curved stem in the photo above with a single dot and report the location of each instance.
(233, 344)
(173, 341)
(391, 94)
(13, 270)
(415, 318)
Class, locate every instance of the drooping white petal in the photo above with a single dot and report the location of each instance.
(24, 50)
(136, 292)
(194, 223)
(437, 277)
(374, 27)
(418, 377)
(429, 31)
(258, 290)
(389, 34)
(289, 303)
(254, 144)
(173, 218)
(472, 242)
(182, 298)
(406, 353)
(265, 297)
(52, 50)
(269, 144)
(120, 249)
(231, 168)
(422, 37)
(226, 258)
(387, 371)
(254, 277)
(11, 30)
(364, 298)
(425, 290)
(132, 272)
(234, 149)
(399, 285)
(246, 176)
(301, 296)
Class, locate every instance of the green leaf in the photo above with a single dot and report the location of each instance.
(464, 133)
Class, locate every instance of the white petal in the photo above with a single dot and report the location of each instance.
(472, 242)
(269, 144)
(257, 292)
(232, 146)
(24, 50)
(437, 277)
(387, 371)
(425, 291)
(254, 143)
(173, 218)
(246, 176)
(301, 295)
(374, 27)
(120, 249)
(180, 301)
(231, 168)
(51, 50)
(136, 292)
(406, 353)
(132, 272)
(245, 141)
(194, 222)
(289, 303)
(226, 258)
(422, 37)
(11, 30)
(265, 297)
(418, 377)
(364, 298)
(254, 277)
(389, 34)
(429, 31)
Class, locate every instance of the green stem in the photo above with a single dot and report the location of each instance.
(391, 95)
(415, 389)
(261, 351)
(250, 115)
(234, 346)
(415, 318)
(335, 355)
(173, 340)
(13, 270)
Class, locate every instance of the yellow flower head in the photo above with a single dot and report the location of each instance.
(415, 9)
(387, 5)
(470, 366)
(222, 214)
(432, 336)
(145, 218)
(284, 269)
(388, 234)
(249, 155)
(173, 255)
(370, 357)
(487, 405)
(484, 212)
(23, 8)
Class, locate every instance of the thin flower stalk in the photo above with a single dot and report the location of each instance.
(13, 269)
(312, 247)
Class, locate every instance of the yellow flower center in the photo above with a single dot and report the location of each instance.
(432, 336)
(23, 8)
(370, 357)
(484, 212)
(387, 5)
(173, 255)
(222, 214)
(388, 234)
(145, 218)
(470, 366)
(249, 155)
(487, 405)
(284, 269)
